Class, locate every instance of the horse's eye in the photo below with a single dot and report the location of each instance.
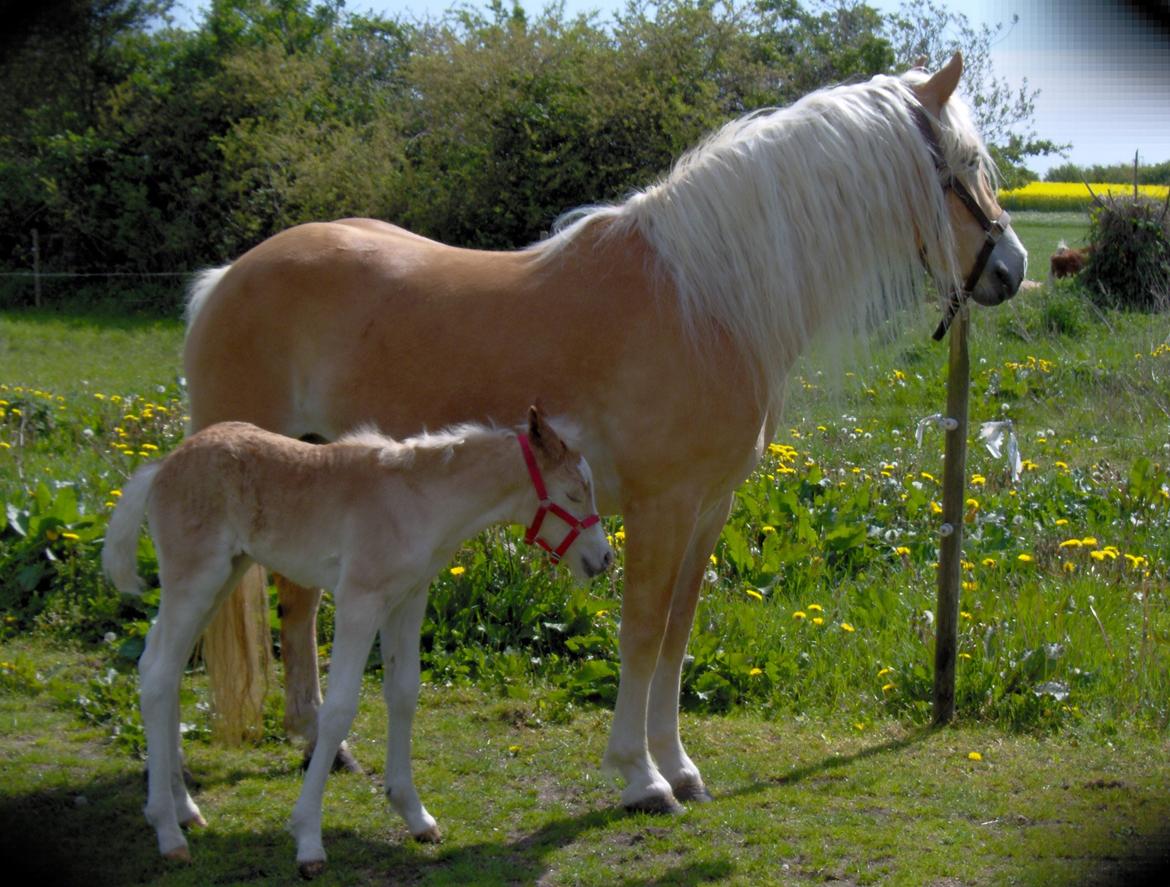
(573, 497)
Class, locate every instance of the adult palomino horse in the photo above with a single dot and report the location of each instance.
(664, 326)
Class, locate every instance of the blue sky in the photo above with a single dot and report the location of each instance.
(1102, 66)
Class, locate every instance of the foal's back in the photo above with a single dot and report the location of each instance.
(234, 489)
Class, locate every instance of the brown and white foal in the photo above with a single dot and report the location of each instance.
(373, 519)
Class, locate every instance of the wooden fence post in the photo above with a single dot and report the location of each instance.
(36, 246)
(954, 501)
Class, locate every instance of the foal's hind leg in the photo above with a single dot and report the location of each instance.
(189, 598)
(400, 676)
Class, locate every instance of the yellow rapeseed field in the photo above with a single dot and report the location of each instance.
(1068, 196)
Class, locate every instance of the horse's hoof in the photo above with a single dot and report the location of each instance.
(197, 821)
(311, 869)
(179, 854)
(430, 836)
(658, 805)
(344, 760)
(692, 792)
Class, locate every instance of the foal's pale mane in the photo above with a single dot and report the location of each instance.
(402, 453)
(786, 222)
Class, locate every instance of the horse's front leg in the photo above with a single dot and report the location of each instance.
(297, 610)
(658, 535)
(359, 613)
(662, 719)
(400, 676)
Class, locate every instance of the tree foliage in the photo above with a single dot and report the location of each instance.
(134, 145)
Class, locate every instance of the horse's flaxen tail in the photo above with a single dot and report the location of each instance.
(120, 552)
(201, 287)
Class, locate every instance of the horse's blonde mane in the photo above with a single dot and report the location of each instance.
(785, 222)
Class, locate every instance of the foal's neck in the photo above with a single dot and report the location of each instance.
(485, 482)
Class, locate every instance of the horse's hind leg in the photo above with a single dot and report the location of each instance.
(302, 681)
(662, 715)
(400, 676)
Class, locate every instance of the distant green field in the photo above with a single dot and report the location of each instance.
(1041, 233)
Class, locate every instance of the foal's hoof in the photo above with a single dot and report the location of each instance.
(311, 869)
(179, 854)
(196, 821)
(693, 792)
(429, 836)
(658, 805)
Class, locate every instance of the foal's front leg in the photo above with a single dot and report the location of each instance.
(358, 614)
(400, 676)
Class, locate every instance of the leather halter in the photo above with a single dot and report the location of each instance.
(993, 229)
(532, 534)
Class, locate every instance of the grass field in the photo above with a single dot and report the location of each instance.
(807, 693)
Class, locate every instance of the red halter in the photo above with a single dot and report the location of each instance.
(546, 505)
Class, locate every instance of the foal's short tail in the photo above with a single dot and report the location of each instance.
(120, 553)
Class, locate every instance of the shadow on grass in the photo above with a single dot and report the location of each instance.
(834, 762)
(96, 834)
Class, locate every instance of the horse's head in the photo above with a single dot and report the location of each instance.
(991, 260)
(566, 523)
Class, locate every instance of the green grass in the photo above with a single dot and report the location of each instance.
(521, 801)
(84, 354)
(1041, 233)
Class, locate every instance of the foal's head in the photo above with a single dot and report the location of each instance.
(566, 523)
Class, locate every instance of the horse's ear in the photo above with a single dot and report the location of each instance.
(934, 92)
(543, 438)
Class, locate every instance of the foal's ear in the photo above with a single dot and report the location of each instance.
(934, 92)
(542, 435)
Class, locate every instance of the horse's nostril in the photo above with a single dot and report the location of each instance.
(607, 561)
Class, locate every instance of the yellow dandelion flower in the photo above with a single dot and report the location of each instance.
(965, 614)
(887, 688)
(1089, 542)
(978, 480)
(72, 537)
(845, 626)
(974, 756)
(752, 593)
(755, 672)
(1069, 567)
(1061, 522)
(964, 655)
(926, 475)
(1137, 561)
(988, 562)
(458, 571)
(799, 615)
(818, 620)
(1070, 543)
(767, 529)
(902, 550)
(1063, 466)
(815, 608)
(714, 560)
(935, 508)
(1025, 558)
(885, 671)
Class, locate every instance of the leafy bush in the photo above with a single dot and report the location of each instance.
(1129, 266)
